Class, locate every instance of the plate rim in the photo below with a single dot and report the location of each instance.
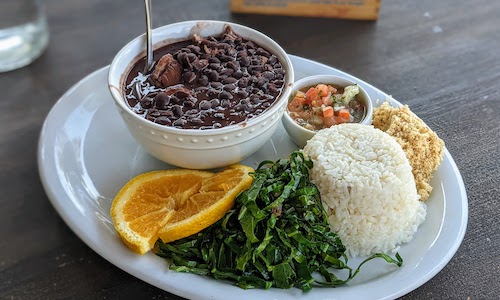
(65, 215)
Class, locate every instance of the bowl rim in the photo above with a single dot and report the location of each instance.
(282, 99)
(323, 78)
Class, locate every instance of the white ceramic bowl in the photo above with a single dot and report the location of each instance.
(301, 135)
(193, 148)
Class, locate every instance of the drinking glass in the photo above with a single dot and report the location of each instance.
(24, 34)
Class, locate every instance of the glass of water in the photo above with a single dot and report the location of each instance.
(24, 34)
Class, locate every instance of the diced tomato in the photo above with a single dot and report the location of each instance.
(312, 95)
(299, 100)
(295, 105)
(327, 100)
(329, 122)
(332, 90)
(327, 111)
(344, 116)
(322, 89)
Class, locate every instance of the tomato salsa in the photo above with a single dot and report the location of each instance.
(324, 105)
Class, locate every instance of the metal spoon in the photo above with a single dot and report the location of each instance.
(149, 48)
(149, 37)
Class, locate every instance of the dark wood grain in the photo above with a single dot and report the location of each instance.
(440, 57)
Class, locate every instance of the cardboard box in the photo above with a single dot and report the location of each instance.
(344, 9)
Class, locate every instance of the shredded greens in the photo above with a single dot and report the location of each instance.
(276, 235)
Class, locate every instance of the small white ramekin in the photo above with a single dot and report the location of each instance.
(301, 135)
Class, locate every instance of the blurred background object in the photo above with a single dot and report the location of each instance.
(24, 33)
(342, 9)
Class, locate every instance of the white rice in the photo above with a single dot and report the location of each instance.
(366, 186)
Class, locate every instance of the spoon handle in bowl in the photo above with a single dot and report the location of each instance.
(149, 37)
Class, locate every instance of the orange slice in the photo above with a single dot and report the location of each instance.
(174, 204)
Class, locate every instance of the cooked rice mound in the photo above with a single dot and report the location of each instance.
(422, 146)
(366, 186)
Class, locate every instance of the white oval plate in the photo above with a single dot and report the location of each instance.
(85, 155)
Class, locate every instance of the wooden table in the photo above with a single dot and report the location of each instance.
(440, 57)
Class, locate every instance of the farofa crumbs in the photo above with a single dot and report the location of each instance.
(423, 148)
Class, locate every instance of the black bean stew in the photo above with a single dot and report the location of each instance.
(206, 83)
